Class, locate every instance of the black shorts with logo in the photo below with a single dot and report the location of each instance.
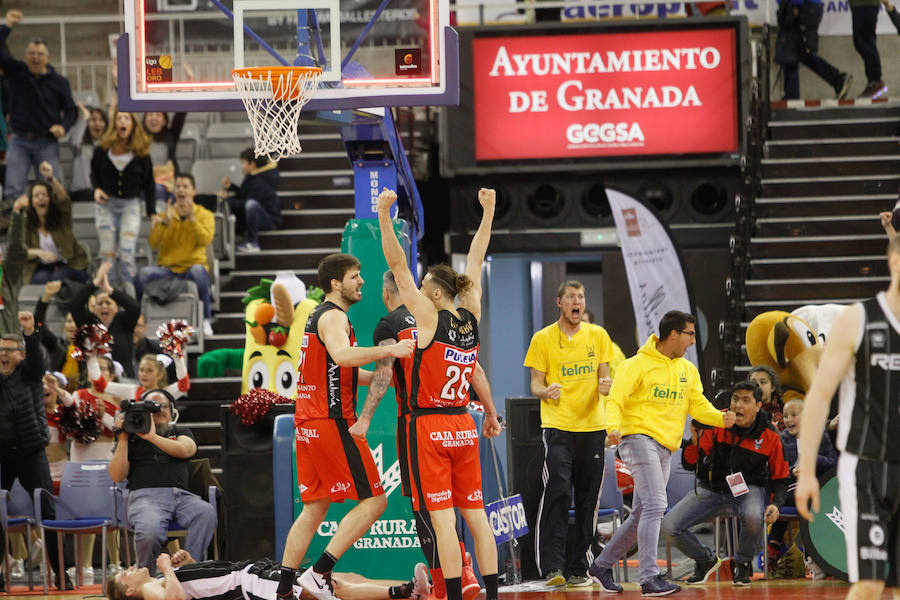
(870, 506)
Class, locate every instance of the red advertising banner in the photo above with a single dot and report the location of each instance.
(605, 94)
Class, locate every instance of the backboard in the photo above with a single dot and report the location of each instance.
(177, 55)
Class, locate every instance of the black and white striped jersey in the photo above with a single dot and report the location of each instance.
(223, 580)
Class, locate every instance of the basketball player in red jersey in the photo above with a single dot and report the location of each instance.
(332, 466)
(443, 443)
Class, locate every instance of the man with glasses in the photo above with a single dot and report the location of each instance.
(156, 465)
(569, 362)
(646, 409)
(41, 110)
(23, 421)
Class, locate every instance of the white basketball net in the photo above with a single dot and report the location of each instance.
(275, 121)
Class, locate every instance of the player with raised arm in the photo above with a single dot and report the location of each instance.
(399, 324)
(443, 443)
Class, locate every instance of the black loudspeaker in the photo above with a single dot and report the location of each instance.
(525, 457)
(578, 202)
(247, 470)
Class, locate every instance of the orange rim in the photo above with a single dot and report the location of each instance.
(287, 75)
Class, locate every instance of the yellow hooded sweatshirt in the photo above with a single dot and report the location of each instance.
(652, 394)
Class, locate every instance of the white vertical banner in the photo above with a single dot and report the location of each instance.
(655, 277)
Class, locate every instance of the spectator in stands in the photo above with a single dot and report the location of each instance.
(41, 109)
(772, 402)
(142, 344)
(163, 150)
(53, 252)
(121, 173)
(181, 235)
(156, 466)
(255, 203)
(798, 44)
(826, 460)
(23, 422)
(59, 350)
(106, 310)
(12, 262)
(864, 19)
(735, 468)
(83, 139)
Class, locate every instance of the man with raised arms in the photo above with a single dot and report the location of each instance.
(445, 471)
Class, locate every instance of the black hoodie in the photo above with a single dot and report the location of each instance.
(755, 452)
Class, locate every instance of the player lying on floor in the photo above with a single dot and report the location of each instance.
(185, 579)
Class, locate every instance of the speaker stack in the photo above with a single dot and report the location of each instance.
(525, 456)
(247, 470)
(562, 202)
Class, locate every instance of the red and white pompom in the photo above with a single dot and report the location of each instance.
(80, 422)
(174, 336)
(91, 339)
(255, 404)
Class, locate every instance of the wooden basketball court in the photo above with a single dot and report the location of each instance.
(788, 589)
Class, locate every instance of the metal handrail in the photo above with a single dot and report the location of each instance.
(745, 217)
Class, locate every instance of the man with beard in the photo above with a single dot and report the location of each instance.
(647, 405)
(569, 362)
(332, 466)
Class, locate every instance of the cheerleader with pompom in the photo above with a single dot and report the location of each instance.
(87, 418)
(173, 337)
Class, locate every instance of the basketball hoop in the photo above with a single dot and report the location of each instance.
(273, 97)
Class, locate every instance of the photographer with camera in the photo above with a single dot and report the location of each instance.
(153, 453)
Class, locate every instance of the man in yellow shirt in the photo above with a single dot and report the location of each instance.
(646, 411)
(181, 235)
(569, 362)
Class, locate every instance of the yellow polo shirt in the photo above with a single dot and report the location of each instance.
(573, 363)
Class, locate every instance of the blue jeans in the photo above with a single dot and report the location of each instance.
(150, 510)
(58, 272)
(705, 506)
(649, 462)
(254, 218)
(197, 274)
(118, 222)
(24, 153)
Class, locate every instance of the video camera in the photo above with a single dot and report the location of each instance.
(137, 414)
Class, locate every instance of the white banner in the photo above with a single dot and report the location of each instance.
(655, 278)
(835, 20)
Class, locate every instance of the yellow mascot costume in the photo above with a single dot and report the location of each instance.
(274, 322)
(787, 344)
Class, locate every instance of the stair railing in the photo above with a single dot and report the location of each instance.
(745, 214)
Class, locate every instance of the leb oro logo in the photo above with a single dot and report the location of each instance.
(407, 58)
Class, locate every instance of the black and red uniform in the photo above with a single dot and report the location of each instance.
(397, 325)
(755, 452)
(443, 441)
(331, 463)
